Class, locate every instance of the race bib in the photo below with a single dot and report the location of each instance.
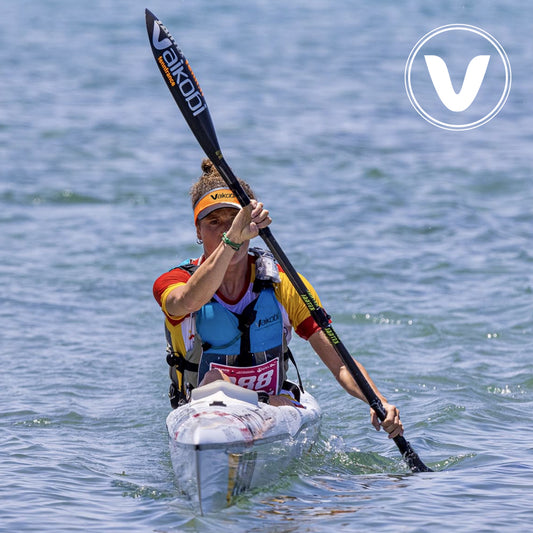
(261, 377)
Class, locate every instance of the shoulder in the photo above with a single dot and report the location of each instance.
(176, 276)
(286, 284)
(297, 310)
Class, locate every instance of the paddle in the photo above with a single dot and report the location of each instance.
(185, 89)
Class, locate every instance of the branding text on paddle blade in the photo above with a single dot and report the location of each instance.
(178, 71)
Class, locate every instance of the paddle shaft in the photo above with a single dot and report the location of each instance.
(322, 319)
(184, 87)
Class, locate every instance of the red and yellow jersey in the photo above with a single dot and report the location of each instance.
(181, 330)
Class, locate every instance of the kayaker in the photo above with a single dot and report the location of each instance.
(229, 314)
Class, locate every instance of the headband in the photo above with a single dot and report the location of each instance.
(215, 199)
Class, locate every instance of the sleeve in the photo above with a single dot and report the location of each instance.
(300, 317)
(165, 283)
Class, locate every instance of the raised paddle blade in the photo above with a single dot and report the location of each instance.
(183, 85)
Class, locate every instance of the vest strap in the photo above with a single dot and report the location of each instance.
(246, 319)
(288, 354)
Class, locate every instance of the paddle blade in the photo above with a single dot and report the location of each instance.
(410, 456)
(183, 85)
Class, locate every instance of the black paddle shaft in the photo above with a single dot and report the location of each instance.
(323, 320)
(184, 87)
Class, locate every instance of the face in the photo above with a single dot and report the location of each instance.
(211, 228)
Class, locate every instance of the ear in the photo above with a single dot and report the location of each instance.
(198, 232)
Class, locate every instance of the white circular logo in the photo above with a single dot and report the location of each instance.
(458, 55)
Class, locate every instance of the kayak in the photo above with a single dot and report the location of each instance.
(224, 442)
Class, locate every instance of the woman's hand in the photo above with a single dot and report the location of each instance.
(281, 399)
(248, 222)
(392, 423)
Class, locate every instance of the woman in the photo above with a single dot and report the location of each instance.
(229, 314)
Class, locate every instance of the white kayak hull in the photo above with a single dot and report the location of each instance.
(224, 442)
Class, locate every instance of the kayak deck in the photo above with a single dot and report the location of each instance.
(224, 442)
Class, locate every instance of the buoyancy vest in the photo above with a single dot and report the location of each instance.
(253, 340)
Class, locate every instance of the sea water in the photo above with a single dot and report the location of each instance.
(418, 240)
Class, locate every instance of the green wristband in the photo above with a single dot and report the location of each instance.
(230, 243)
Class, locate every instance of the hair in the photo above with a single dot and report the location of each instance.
(211, 179)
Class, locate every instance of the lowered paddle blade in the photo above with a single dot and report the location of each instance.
(411, 458)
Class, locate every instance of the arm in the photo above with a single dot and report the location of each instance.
(202, 285)
(392, 424)
(207, 279)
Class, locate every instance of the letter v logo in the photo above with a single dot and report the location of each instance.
(434, 97)
(473, 79)
(159, 45)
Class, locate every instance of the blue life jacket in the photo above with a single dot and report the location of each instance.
(249, 339)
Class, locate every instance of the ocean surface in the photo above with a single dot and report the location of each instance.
(418, 240)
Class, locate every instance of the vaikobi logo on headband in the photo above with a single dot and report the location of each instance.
(458, 77)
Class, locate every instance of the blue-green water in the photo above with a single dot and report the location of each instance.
(419, 241)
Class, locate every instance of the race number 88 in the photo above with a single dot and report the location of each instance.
(259, 382)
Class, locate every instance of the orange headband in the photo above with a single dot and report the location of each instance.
(215, 199)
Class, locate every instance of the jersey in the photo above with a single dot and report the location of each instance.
(181, 332)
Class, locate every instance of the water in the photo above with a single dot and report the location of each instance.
(417, 239)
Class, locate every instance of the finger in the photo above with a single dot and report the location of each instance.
(393, 414)
(263, 221)
(396, 433)
(256, 207)
(261, 215)
(391, 422)
(374, 420)
(393, 427)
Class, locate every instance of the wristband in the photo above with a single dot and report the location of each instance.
(230, 243)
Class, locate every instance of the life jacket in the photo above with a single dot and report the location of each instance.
(250, 347)
(253, 339)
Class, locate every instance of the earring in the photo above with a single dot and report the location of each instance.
(199, 241)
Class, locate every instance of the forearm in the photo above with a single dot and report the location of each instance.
(332, 360)
(347, 381)
(203, 284)
(392, 424)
